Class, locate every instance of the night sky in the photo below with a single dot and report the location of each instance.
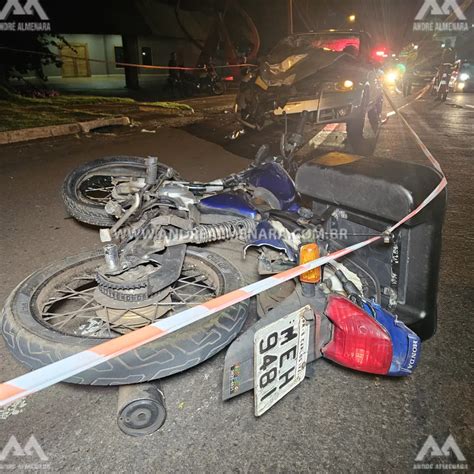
(389, 21)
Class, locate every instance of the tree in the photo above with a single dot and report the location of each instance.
(26, 53)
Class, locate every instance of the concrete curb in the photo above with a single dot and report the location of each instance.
(16, 136)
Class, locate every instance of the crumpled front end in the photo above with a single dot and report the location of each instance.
(321, 82)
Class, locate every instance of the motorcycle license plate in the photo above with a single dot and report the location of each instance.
(280, 355)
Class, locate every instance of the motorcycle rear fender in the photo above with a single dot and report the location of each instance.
(239, 360)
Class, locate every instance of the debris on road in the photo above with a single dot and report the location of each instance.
(13, 409)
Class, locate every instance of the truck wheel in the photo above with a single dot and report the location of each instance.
(355, 126)
(375, 115)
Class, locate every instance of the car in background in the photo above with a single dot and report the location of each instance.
(422, 65)
(393, 72)
(462, 77)
(332, 76)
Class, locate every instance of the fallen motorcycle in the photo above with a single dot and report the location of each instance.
(171, 244)
(206, 82)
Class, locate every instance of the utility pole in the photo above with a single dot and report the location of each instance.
(130, 50)
(290, 17)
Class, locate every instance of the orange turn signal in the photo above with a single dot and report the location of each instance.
(308, 253)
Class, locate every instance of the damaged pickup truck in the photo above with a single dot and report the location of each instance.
(331, 75)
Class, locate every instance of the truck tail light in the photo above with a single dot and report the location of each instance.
(358, 342)
(308, 253)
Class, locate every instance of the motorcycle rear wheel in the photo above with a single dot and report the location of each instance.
(87, 188)
(39, 332)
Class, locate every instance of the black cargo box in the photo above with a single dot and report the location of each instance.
(362, 197)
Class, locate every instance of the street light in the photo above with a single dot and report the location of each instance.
(352, 18)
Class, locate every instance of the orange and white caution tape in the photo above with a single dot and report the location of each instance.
(418, 97)
(63, 369)
(122, 64)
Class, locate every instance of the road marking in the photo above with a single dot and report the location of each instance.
(418, 140)
(14, 409)
(392, 113)
(418, 97)
(463, 106)
(323, 135)
(422, 92)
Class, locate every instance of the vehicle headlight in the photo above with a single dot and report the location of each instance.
(286, 64)
(348, 84)
(391, 77)
(464, 76)
(344, 86)
(341, 86)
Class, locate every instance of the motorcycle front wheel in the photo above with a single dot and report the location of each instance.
(56, 312)
(217, 88)
(87, 189)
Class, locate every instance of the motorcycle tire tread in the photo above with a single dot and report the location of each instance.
(89, 213)
(160, 358)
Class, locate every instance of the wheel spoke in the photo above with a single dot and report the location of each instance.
(70, 295)
(72, 307)
(108, 321)
(194, 284)
(72, 315)
(192, 295)
(141, 315)
(97, 188)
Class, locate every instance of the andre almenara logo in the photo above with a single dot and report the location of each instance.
(14, 12)
(447, 15)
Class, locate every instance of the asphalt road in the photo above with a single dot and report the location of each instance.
(462, 100)
(336, 422)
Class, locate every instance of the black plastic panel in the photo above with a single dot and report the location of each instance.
(364, 196)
